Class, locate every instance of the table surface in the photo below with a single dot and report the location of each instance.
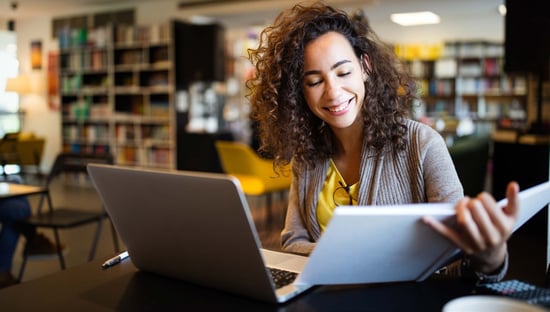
(122, 287)
(13, 189)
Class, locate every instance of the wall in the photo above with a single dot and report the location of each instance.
(39, 118)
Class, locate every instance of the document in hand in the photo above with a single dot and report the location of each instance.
(374, 244)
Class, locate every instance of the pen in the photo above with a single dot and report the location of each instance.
(115, 260)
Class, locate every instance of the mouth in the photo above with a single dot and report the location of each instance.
(341, 107)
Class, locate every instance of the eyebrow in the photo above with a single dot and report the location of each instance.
(314, 72)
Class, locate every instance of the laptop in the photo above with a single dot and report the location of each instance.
(193, 226)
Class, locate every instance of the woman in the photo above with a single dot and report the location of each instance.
(334, 100)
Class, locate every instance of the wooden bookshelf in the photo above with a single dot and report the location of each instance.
(117, 94)
(467, 80)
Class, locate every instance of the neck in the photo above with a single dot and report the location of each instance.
(347, 157)
(349, 141)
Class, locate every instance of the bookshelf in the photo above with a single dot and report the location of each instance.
(466, 79)
(117, 94)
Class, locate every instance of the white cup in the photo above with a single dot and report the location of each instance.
(483, 303)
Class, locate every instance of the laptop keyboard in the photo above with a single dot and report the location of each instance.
(282, 278)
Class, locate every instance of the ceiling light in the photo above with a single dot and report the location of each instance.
(502, 9)
(415, 18)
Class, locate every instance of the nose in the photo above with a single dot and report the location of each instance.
(332, 88)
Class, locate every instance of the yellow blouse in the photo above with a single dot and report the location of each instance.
(335, 192)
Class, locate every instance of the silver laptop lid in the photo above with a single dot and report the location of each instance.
(187, 225)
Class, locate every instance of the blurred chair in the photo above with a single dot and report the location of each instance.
(470, 156)
(22, 149)
(255, 174)
(8, 151)
(57, 218)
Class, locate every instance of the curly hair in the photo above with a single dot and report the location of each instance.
(288, 130)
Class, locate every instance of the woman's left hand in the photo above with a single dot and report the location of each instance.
(482, 228)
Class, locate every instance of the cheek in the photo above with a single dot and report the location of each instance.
(312, 107)
(311, 98)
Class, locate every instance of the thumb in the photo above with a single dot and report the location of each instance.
(512, 207)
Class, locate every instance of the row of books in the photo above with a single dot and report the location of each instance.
(99, 134)
(86, 133)
(485, 110)
(489, 86)
(131, 133)
(451, 68)
(130, 57)
(459, 49)
(86, 110)
(473, 86)
(156, 156)
(71, 83)
(441, 87)
(475, 49)
(130, 34)
(103, 36)
(86, 148)
(127, 155)
(96, 59)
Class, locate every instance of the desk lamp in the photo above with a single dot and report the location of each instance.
(27, 84)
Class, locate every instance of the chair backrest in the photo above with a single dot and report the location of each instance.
(470, 156)
(11, 136)
(8, 143)
(30, 150)
(76, 163)
(71, 163)
(239, 158)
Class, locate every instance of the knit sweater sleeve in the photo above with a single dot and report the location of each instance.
(441, 180)
(295, 237)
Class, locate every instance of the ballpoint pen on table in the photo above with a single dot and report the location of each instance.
(115, 260)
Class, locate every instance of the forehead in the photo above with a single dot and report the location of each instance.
(327, 48)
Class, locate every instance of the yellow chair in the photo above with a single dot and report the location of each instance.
(22, 149)
(255, 173)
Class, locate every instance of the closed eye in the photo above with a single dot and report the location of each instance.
(313, 83)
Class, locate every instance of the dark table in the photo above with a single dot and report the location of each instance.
(122, 287)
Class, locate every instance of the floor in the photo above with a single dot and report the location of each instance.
(78, 240)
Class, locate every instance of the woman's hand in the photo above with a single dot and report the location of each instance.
(482, 228)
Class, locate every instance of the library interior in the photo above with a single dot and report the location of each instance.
(161, 86)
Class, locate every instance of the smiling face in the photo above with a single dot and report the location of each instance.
(333, 81)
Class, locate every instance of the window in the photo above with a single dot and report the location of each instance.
(9, 101)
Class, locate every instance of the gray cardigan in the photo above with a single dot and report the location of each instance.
(423, 172)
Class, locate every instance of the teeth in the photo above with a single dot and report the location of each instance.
(338, 108)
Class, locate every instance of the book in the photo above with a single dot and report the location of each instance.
(379, 244)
